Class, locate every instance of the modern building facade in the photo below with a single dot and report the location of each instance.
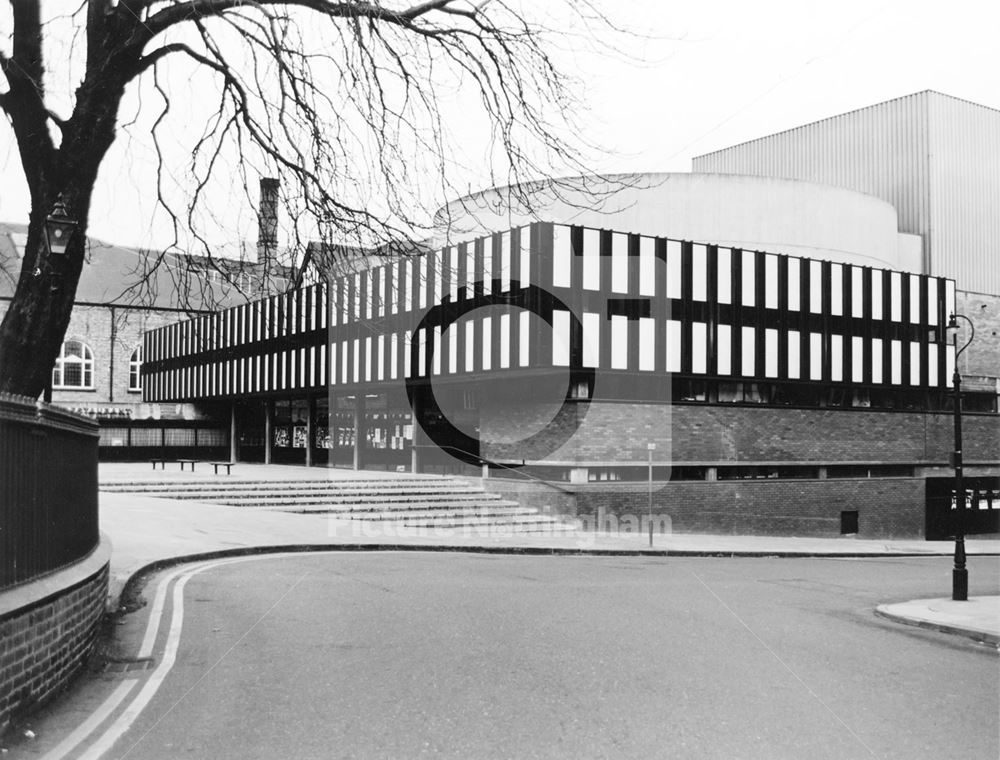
(790, 394)
(765, 337)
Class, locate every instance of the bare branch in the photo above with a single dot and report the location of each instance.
(350, 104)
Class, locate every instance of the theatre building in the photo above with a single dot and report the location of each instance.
(768, 330)
(772, 393)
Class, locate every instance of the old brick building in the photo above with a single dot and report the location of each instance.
(98, 372)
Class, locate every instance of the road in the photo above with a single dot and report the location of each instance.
(399, 655)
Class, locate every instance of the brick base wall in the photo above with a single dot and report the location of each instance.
(550, 500)
(45, 644)
(619, 432)
(887, 507)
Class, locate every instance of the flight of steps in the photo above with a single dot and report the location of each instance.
(410, 502)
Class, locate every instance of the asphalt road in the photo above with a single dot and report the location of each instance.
(399, 655)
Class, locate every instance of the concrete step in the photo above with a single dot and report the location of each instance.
(535, 520)
(403, 508)
(499, 514)
(402, 500)
(199, 494)
(420, 502)
(517, 524)
(167, 486)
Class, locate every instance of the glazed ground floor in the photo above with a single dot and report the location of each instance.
(697, 466)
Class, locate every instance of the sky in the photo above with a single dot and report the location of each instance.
(697, 77)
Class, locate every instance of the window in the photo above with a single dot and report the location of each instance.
(619, 342)
(724, 349)
(771, 281)
(699, 347)
(794, 304)
(837, 289)
(699, 273)
(869, 471)
(764, 472)
(591, 339)
(749, 280)
(74, 367)
(619, 263)
(560, 338)
(562, 256)
(134, 365)
(673, 269)
(725, 276)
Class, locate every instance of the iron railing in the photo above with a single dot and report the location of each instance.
(48, 488)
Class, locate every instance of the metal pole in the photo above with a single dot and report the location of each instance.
(233, 435)
(415, 445)
(650, 447)
(359, 430)
(310, 427)
(959, 575)
(268, 430)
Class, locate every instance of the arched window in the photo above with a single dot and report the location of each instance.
(134, 365)
(74, 367)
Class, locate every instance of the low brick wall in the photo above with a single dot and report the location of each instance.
(549, 499)
(619, 432)
(887, 507)
(48, 629)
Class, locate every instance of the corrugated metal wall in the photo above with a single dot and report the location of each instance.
(934, 157)
(965, 192)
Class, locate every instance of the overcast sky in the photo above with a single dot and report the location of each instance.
(716, 73)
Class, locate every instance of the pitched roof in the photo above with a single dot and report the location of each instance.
(116, 275)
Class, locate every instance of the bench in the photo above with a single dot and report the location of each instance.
(217, 465)
(161, 462)
(187, 461)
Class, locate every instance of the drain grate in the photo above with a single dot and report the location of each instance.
(115, 666)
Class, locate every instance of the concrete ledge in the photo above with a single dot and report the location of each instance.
(124, 593)
(978, 618)
(40, 590)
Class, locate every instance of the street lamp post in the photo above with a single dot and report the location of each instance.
(959, 574)
(650, 447)
(59, 228)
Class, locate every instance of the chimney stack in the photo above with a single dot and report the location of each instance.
(267, 219)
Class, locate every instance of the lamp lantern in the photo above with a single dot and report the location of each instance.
(59, 229)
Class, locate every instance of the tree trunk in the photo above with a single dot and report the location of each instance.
(36, 320)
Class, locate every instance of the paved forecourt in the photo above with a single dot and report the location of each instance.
(146, 530)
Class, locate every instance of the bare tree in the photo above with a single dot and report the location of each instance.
(347, 102)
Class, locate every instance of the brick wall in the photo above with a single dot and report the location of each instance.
(94, 326)
(550, 499)
(982, 357)
(619, 432)
(46, 643)
(887, 507)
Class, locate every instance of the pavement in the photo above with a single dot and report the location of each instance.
(148, 532)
